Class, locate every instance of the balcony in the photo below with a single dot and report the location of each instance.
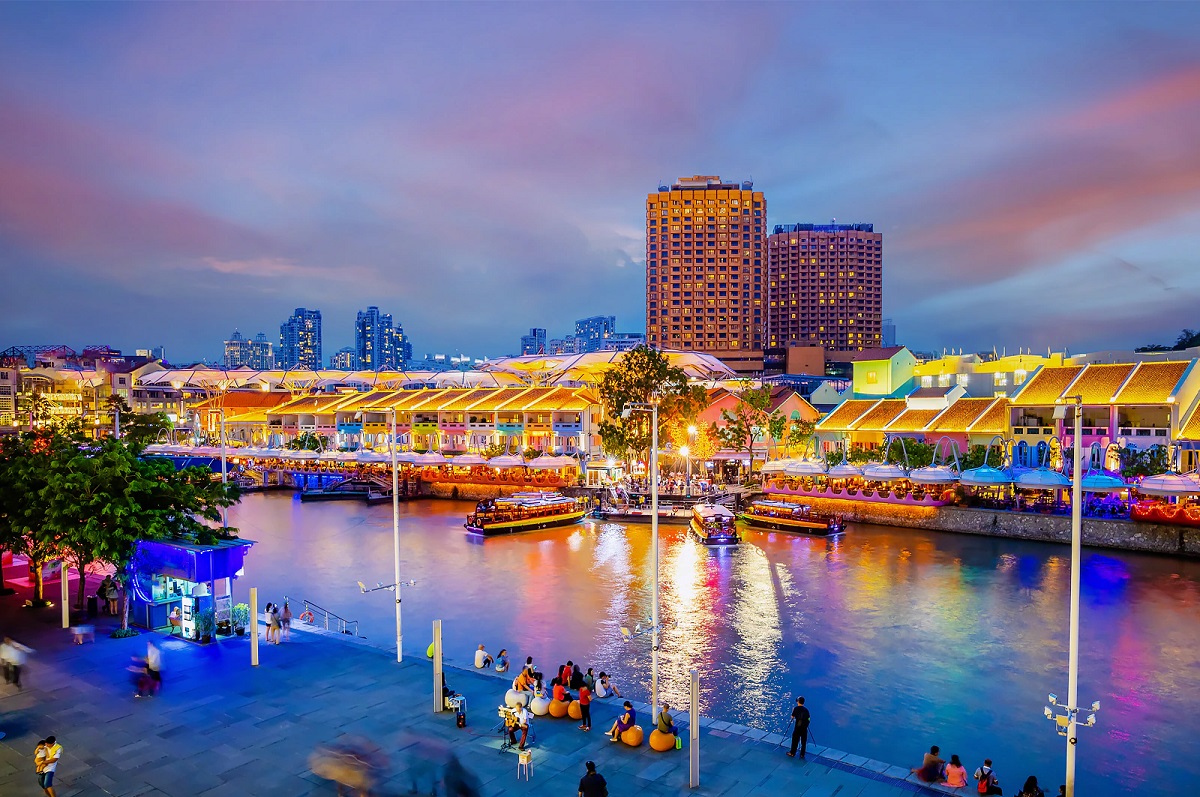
(1033, 431)
(571, 429)
(1144, 431)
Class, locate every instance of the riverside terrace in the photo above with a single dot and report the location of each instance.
(221, 727)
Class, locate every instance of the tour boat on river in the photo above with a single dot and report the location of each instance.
(524, 511)
(789, 516)
(714, 524)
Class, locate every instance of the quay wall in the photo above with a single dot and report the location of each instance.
(1121, 534)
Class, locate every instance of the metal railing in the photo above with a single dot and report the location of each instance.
(322, 616)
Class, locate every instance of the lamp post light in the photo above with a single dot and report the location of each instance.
(687, 454)
(1068, 723)
(396, 537)
(651, 408)
(691, 430)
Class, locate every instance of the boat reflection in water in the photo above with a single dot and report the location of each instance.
(883, 630)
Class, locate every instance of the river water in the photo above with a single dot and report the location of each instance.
(897, 638)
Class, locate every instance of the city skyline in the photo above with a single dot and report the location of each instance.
(1031, 168)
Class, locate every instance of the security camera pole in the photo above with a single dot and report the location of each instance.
(651, 408)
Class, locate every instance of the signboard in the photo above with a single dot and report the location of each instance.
(224, 608)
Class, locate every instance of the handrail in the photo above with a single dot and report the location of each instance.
(341, 624)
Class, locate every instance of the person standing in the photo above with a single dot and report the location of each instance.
(50, 765)
(285, 620)
(592, 784)
(111, 595)
(585, 707)
(800, 717)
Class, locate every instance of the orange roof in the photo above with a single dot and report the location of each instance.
(253, 416)
(845, 414)
(1191, 429)
(1152, 383)
(448, 396)
(463, 399)
(306, 404)
(994, 421)
(1047, 385)
(243, 399)
(912, 420)
(880, 416)
(961, 414)
(367, 400)
(560, 399)
(1100, 383)
(498, 398)
(406, 400)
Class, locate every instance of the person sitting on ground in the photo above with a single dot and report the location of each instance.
(956, 774)
(482, 659)
(502, 660)
(589, 678)
(623, 723)
(576, 678)
(1031, 788)
(606, 687)
(988, 782)
(666, 723)
(930, 770)
(560, 692)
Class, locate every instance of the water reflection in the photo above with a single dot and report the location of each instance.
(897, 638)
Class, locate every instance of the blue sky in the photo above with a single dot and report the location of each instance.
(171, 171)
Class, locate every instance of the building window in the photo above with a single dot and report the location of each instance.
(961, 379)
(872, 377)
(927, 381)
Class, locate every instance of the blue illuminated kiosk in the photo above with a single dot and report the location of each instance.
(172, 575)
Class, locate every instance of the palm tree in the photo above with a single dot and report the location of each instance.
(37, 405)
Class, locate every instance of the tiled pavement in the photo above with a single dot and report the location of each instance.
(221, 727)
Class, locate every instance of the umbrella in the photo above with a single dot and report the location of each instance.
(933, 474)
(805, 467)
(430, 458)
(1042, 479)
(1102, 483)
(984, 476)
(777, 465)
(547, 462)
(883, 472)
(1168, 484)
(304, 455)
(507, 461)
(370, 456)
(406, 456)
(844, 471)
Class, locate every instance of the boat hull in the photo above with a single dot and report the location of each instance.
(712, 539)
(673, 518)
(818, 528)
(526, 524)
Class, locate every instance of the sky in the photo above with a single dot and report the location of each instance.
(172, 171)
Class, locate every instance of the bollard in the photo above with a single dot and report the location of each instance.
(66, 594)
(254, 626)
(694, 733)
(439, 702)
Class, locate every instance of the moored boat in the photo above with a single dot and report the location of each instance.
(779, 515)
(714, 524)
(524, 511)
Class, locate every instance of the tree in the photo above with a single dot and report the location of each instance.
(1137, 463)
(700, 444)
(24, 474)
(751, 413)
(309, 441)
(800, 433)
(37, 406)
(140, 430)
(102, 500)
(1186, 340)
(777, 425)
(644, 375)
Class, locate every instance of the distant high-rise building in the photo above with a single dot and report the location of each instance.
(153, 353)
(825, 286)
(378, 346)
(534, 342)
(237, 350)
(300, 340)
(887, 333)
(262, 353)
(564, 345)
(343, 359)
(590, 333)
(705, 253)
(622, 341)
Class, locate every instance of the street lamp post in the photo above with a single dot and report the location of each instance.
(396, 537)
(1068, 723)
(654, 626)
(224, 474)
(691, 430)
(687, 454)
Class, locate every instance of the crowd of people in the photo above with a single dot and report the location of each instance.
(952, 773)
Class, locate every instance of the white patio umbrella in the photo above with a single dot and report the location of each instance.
(1103, 483)
(1169, 485)
(507, 461)
(806, 467)
(844, 471)
(777, 465)
(985, 476)
(1042, 479)
(933, 474)
(429, 458)
(883, 472)
(467, 460)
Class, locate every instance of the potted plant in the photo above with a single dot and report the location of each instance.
(241, 617)
(224, 628)
(205, 624)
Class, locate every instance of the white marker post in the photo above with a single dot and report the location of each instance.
(254, 626)
(438, 702)
(694, 733)
(66, 594)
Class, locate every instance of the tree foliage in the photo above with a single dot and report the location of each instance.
(800, 435)
(24, 476)
(1187, 339)
(309, 441)
(751, 418)
(1136, 463)
(643, 376)
(142, 429)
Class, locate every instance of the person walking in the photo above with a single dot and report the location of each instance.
(800, 718)
(154, 666)
(12, 659)
(585, 707)
(53, 752)
(592, 784)
(988, 782)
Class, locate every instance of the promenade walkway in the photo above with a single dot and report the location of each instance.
(221, 727)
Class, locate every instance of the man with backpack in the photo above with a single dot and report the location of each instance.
(988, 782)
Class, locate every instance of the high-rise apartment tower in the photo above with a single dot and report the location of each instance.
(825, 286)
(705, 261)
(378, 346)
(300, 340)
